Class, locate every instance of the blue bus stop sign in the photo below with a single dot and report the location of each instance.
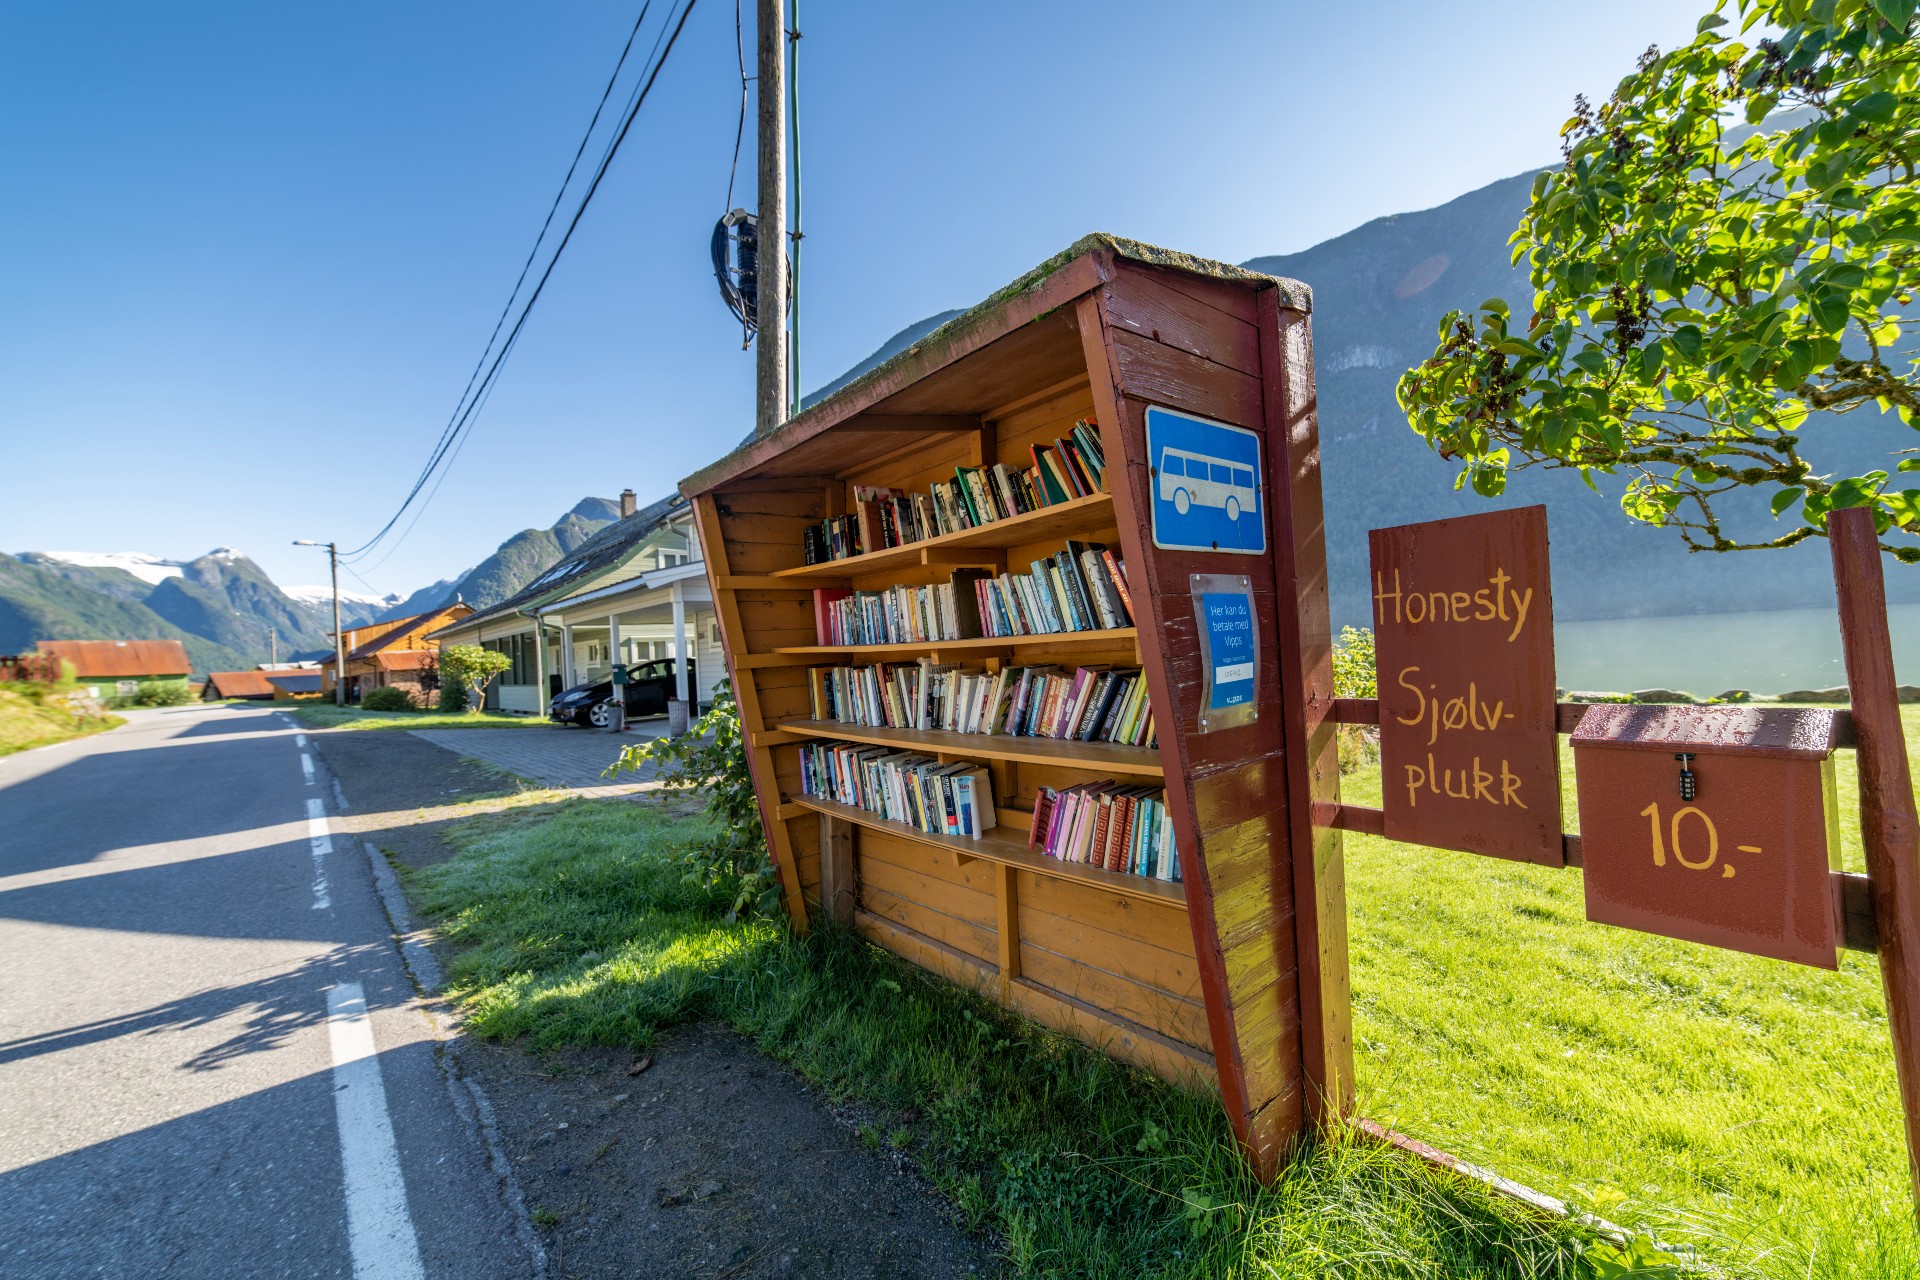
(1208, 485)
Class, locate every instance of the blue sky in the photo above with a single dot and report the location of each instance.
(251, 252)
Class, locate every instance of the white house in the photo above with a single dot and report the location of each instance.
(634, 591)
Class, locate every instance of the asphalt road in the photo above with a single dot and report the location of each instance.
(212, 1059)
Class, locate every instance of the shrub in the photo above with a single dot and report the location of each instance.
(453, 696)
(733, 867)
(1354, 677)
(160, 693)
(470, 668)
(388, 697)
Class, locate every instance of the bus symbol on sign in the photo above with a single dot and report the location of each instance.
(1207, 484)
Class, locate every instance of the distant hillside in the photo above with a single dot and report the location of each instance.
(1379, 293)
(44, 599)
(225, 609)
(888, 350)
(518, 561)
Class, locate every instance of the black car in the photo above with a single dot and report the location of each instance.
(649, 685)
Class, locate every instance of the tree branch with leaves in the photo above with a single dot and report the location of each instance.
(1697, 298)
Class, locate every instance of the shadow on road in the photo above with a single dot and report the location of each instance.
(274, 1008)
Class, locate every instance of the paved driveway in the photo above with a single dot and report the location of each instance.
(555, 755)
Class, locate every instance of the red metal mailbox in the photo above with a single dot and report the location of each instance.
(1712, 824)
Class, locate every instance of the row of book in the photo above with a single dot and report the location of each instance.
(900, 615)
(939, 799)
(1090, 704)
(1080, 588)
(1083, 588)
(1097, 824)
(1104, 824)
(1073, 466)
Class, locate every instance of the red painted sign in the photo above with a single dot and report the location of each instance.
(1463, 639)
(1737, 854)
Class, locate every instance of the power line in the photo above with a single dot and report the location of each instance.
(740, 130)
(538, 240)
(477, 393)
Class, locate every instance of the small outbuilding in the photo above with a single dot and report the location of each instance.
(251, 685)
(117, 668)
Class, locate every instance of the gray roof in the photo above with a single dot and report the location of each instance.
(598, 553)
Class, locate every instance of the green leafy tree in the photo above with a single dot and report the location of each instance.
(465, 672)
(1695, 297)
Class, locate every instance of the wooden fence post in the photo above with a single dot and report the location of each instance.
(1889, 826)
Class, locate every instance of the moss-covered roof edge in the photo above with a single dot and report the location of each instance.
(1293, 294)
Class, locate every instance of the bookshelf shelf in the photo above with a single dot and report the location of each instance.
(985, 644)
(1100, 757)
(1077, 515)
(1007, 851)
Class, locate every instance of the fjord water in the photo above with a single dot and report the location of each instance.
(1710, 653)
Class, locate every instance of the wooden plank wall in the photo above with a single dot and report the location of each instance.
(746, 532)
(1193, 344)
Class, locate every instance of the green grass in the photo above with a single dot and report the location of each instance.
(1741, 1104)
(574, 925)
(324, 715)
(36, 715)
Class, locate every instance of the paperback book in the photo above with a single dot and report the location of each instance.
(1087, 704)
(1104, 824)
(901, 786)
(1072, 466)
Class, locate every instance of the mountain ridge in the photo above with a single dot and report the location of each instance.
(225, 609)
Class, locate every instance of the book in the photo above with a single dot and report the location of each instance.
(824, 600)
(966, 602)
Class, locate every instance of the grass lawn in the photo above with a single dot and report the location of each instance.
(36, 715)
(575, 925)
(324, 715)
(1742, 1104)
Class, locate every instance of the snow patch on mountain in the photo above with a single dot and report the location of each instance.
(149, 569)
(323, 594)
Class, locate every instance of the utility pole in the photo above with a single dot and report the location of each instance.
(273, 646)
(339, 638)
(770, 369)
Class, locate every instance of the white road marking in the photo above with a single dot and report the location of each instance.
(322, 841)
(379, 1230)
(306, 767)
(299, 739)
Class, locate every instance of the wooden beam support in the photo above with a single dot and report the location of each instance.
(1007, 901)
(1889, 825)
(920, 422)
(733, 638)
(1305, 641)
(1367, 711)
(839, 890)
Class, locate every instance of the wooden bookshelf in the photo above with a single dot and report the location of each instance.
(1239, 971)
(1095, 757)
(1007, 850)
(1060, 521)
(984, 644)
